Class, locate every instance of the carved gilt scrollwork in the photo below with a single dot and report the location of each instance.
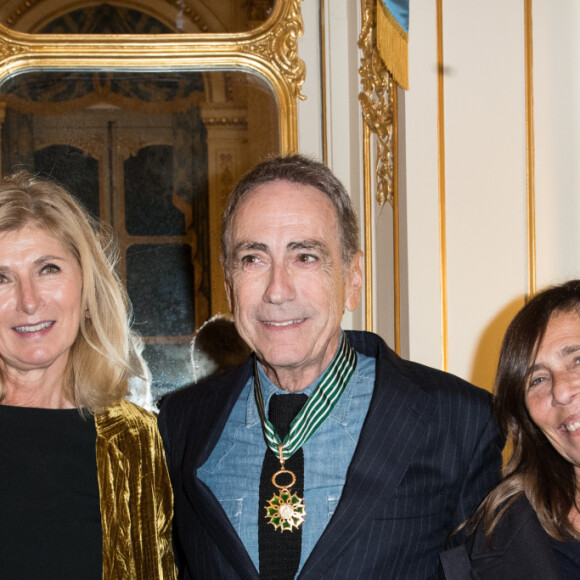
(91, 146)
(280, 46)
(377, 102)
(8, 49)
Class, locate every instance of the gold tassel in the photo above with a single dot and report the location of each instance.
(392, 45)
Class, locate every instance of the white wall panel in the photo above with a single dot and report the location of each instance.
(485, 177)
(557, 129)
(421, 189)
(310, 110)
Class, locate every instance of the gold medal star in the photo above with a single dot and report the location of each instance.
(285, 511)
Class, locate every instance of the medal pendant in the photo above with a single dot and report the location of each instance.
(286, 509)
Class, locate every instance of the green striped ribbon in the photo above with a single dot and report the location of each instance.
(318, 406)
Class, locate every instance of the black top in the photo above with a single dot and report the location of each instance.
(50, 522)
(520, 549)
(568, 556)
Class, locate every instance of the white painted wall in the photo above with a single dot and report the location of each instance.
(421, 192)
(557, 129)
(485, 167)
(485, 175)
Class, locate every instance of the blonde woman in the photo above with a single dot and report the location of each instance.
(84, 490)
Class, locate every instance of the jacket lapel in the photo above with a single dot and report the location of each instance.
(217, 524)
(392, 431)
(208, 509)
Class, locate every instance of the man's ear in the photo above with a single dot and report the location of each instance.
(353, 282)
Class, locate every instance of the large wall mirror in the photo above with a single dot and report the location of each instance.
(149, 113)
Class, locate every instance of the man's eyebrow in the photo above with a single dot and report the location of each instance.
(250, 246)
(254, 246)
(309, 245)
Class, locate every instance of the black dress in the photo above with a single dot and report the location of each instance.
(50, 522)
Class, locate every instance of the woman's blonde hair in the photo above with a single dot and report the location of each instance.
(104, 354)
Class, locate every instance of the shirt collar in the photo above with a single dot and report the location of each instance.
(339, 413)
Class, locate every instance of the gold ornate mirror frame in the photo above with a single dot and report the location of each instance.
(270, 50)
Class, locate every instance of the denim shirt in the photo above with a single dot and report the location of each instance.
(232, 471)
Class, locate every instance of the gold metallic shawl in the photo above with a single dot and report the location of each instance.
(135, 494)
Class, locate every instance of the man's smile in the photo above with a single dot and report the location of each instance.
(283, 323)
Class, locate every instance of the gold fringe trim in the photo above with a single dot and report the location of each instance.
(392, 43)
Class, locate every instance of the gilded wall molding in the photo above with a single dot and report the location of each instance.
(377, 102)
(530, 149)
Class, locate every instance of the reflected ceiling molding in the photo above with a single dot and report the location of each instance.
(377, 102)
(271, 50)
(166, 11)
(20, 11)
(225, 122)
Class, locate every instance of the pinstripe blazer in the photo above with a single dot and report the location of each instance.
(427, 454)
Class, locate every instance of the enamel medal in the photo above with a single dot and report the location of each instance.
(286, 510)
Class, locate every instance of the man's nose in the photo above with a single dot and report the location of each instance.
(280, 286)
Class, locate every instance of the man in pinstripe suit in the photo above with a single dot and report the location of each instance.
(384, 457)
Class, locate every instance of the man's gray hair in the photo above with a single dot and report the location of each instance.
(303, 171)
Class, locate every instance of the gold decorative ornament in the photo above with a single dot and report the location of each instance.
(280, 46)
(377, 102)
(379, 110)
(8, 49)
